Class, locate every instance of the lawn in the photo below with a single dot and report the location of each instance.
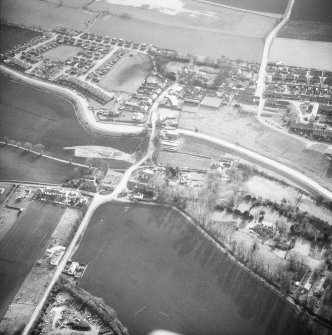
(16, 164)
(159, 273)
(269, 6)
(245, 130)
(128, 74)
(62, 53)
(22, 246)
(41, 117)
(10, 36)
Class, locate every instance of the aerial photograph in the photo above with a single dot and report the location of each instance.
(166, 167)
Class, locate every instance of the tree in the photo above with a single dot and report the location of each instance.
(19, 143)
(6, 139)
(28, 146)
(39, 147)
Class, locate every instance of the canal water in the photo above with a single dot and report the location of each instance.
(158, 272)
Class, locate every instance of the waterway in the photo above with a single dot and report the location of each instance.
(158, 272)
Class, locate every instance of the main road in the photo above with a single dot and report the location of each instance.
(97, 201)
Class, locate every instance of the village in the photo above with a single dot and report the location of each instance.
(280, 239)
(304, 97)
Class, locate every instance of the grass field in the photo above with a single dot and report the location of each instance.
(22, 245)
(16, 164)
(62, 52)
(248, 132)
(41, 117)
(13, 36)
(128, 74)
(269, 6)
(159, 273)
(310, 20)
(312, 54)
(312, 10)
(44, 15)
(181, 160)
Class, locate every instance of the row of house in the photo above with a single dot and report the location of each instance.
(294, 83)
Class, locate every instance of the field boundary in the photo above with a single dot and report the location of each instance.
(266, 14)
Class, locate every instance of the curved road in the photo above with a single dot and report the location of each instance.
(83, 112)
(292, 174)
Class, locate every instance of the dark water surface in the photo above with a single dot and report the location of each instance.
(158, 272)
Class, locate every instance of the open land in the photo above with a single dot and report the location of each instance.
(310, 20)
(24, 243)
(314, 54)
(128, 74)
(44, 15)
(201, 29)
(248, 132)
(269, 6)
(16, 164)
(41, 117)
(12, 36)
(152, 268)
(62, 53)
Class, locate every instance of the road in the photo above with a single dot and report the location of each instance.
(97, 201)
(262, 73)
(267, 48)
(292, 174)
(82, 110)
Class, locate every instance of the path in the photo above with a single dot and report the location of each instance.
(46, 156)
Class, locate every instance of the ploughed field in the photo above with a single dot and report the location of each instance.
(22, 246)
(38, 116)
(159, 272)
(17, 164)
(11, 36)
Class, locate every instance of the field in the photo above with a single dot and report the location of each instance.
(312, 10)
(13, 36)
(158, 273)
(16, 164)
(269, 6)
(44, 15)
(180, 160)
(291, 52)
(244, 129)
(310, 20)
(200, 29)
(62, 53)
(23, 244)
(128, 74)
(41, 117)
